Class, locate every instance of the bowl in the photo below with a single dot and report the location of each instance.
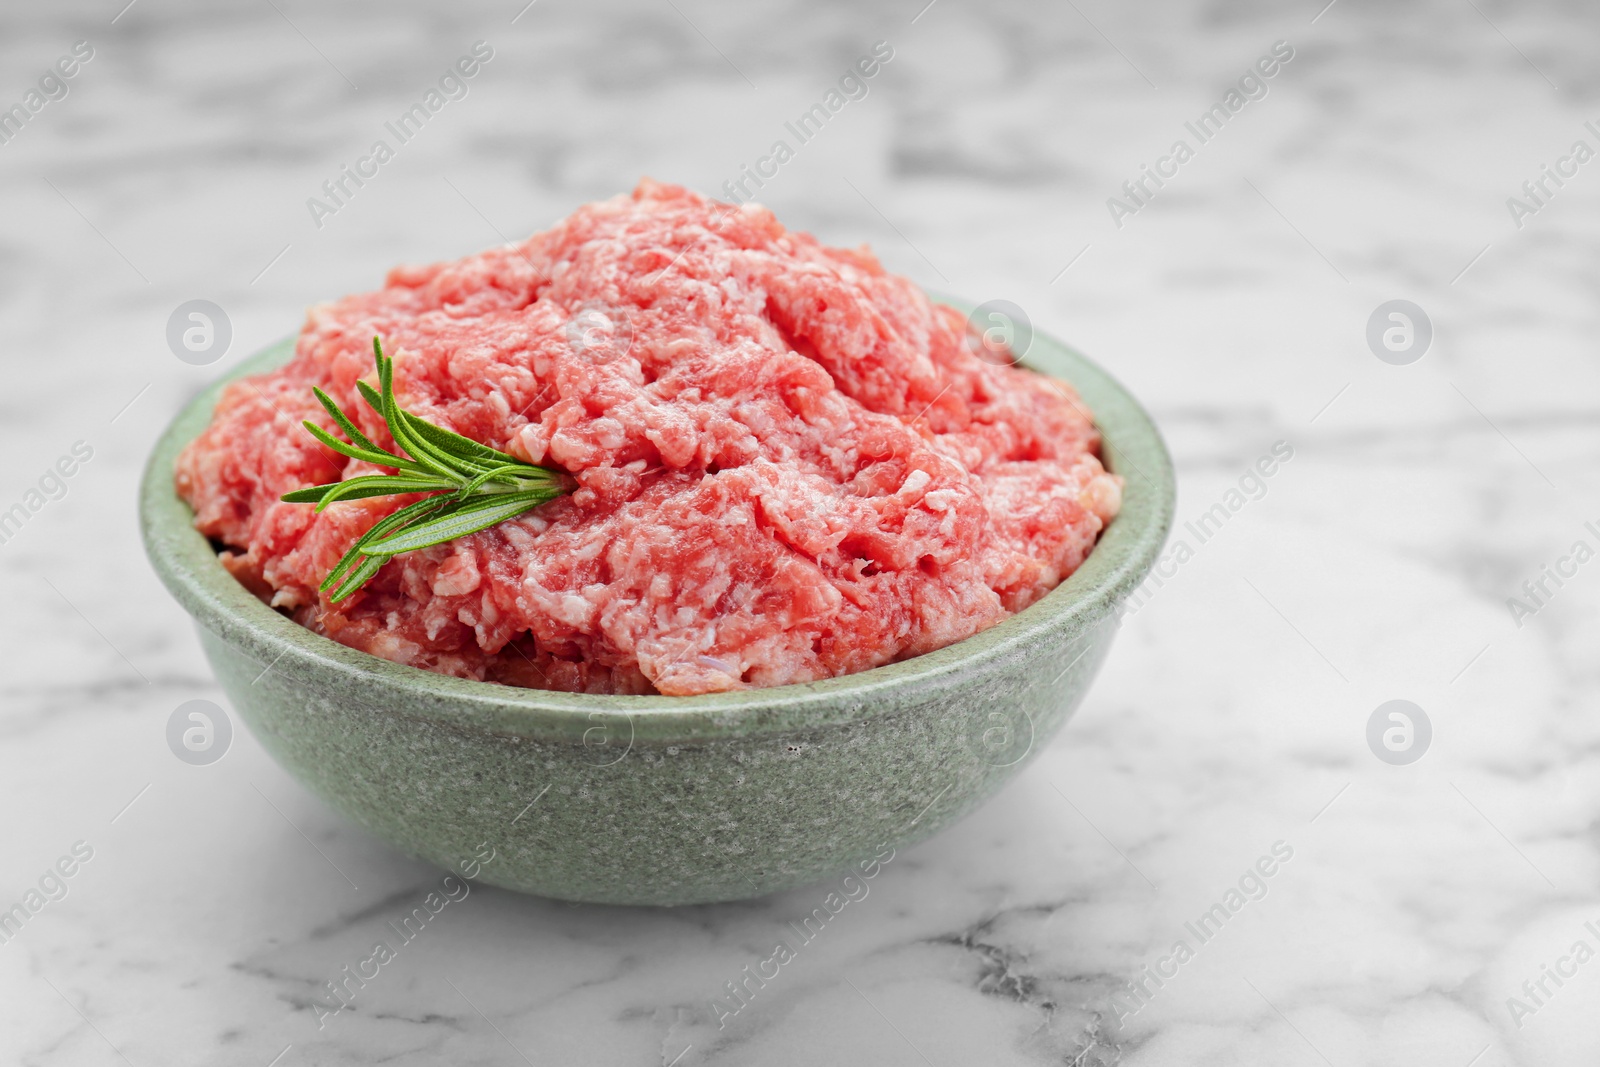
(655, 799)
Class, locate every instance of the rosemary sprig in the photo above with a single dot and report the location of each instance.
(476, 486)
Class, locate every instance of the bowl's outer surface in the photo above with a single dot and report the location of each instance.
(667, 800)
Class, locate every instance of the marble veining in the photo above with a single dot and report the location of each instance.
(1426, 906)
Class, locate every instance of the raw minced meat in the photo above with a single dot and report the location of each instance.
(790, 464)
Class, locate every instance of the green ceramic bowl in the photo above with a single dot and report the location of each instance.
(667, 800)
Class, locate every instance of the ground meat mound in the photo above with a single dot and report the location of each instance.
(789, 464)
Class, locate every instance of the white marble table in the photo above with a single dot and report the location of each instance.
(1232, 715)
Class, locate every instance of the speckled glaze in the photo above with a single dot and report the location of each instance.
(668, 800)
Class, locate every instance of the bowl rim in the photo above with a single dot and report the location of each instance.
(1123, 554)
